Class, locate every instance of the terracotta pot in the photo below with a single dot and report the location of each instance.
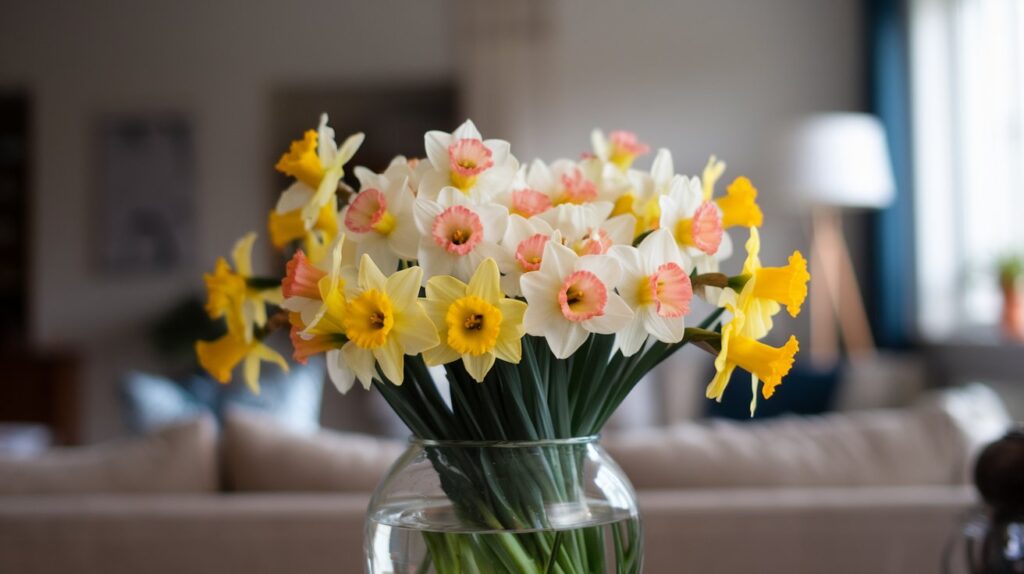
(1013, 311)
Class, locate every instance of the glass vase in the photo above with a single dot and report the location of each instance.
(533, 507)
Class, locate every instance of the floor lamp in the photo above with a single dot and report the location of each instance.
(837, 162)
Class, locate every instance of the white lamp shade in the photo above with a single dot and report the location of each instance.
(838, 159)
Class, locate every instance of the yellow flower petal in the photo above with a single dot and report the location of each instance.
(445, 289)
(478, 366)
(370, 276)
(241, 254)
(391, 360)
(486, 282)
(220, 357)
(302, 161)
(415, 330)
(403, 287)
(739, 206)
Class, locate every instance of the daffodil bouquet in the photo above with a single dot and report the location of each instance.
(545, 292)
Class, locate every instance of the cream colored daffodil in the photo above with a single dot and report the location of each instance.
(383, 321)
(475, 322)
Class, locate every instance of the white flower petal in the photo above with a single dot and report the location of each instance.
(338, 371)
(607, 268)
(665, 329)
(632, 338)
(565, 337)
(616, 316)
(360, 362)
(295, 197)
(662, 169)
(377, 247)
(558, 261)
(467, 131)
(436, 144)
(494, 219)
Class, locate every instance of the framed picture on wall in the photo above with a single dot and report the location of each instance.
(146, 193)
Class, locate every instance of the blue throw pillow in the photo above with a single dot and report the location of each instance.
(805, 391)
(293, 398)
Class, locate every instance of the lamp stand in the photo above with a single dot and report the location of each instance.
(835, 294)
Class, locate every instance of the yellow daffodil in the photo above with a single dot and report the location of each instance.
(383, 321)
(764, 363)
(289, 226)
(475, 322)
(220, 357)
(712, 171)
(233, 294)
(764, 288)
(317, 163)
(302, 161)
(739, 206)
(225, 291)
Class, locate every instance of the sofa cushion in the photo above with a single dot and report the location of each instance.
(260, 454)
(930, 444)
(150, 401)
(179, 458)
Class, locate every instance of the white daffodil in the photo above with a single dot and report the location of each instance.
(412, 169)
(587, 228)
(523, 200)
(611, 182)
(456, 235)
(379, 220)
(695, 223)
(523, 244)
(645, 189)
(571, 296)
(656, 285)
(462, 159)
(563, 182)
(619, 149)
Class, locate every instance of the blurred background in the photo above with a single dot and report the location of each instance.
(137, 142)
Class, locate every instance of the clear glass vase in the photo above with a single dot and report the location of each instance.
(520, 507)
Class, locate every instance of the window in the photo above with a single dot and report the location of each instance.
(967, 65)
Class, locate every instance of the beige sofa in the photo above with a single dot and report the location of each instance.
(875, 492)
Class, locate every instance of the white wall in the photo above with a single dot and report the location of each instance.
(698, 76)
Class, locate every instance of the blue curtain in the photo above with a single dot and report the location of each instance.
(892, 291)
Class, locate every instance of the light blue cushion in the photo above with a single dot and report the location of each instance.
(293, 398)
